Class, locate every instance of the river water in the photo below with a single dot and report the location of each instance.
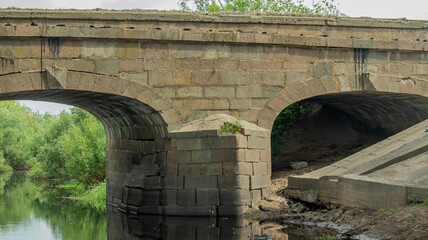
(36, 211)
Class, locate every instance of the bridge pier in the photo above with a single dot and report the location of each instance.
(205, 172)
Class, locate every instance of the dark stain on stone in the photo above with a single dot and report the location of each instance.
(54, 44)
(6, 62)
(360, 56)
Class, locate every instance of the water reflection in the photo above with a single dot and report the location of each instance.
(125, 226)
(30, 210)
(33, 210)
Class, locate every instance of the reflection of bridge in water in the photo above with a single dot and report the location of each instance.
(129, 226)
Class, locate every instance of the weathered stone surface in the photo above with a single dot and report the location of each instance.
(186, 197)
(146, 77)
(207, 197)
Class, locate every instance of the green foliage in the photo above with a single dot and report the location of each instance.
(321, 7)
(72, 146)
(66, 146)
(413, 199)
(231, 127)
(17, 127)
(93, 198)
(285, 122)
(287, 118)
(381, 210)
(414, 215)
(69, 147)
(426, 202)
(23, 199)
(3, 166)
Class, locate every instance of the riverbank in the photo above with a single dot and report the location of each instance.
(410, 222)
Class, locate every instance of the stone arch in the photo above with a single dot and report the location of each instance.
(136, 120)
(318, 87)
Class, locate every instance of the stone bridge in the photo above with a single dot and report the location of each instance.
(162, 83)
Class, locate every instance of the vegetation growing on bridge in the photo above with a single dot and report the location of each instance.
(321, 7)
(68, 148)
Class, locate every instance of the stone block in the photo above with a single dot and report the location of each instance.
(186, 92)
(169, 170)
(174, 157)
(134, 181)
(236, 197)
(212, 169)
(189, 169)
(234, 141)
(265, 155)
(161, 158)
(252, 155)
(174, 182)
(201, 156)
(257, 182)
(227, 155)
(207, 197)
(200, 182)
(154, 210)
(169, 197)
(368, 194)
(211, 142)
(151, 198)
(260, 168)
(186, 197)
(153, 183)
(256, 195)
(257, 142)
(110, 67)
(239, 104)
(296, 182)
(234, 181)
(232, 210)
(237, 168)
(188, 144)
(131, 196)
(219, 92)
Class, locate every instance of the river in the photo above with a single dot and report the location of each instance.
(37, 211)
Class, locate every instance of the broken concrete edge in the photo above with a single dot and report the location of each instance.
(183, 16)
(355, 191)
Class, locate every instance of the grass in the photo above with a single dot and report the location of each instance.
(386, 209)
(426, 202)
(231, 127)
(93, 198)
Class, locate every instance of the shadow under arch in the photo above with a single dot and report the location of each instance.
(136, 120)
(339, 124)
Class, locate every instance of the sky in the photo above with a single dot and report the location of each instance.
(410, 9)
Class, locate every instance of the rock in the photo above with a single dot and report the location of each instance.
(310, 196)
(298, 165)
(271, 206)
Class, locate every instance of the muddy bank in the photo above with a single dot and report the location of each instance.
(409, 222)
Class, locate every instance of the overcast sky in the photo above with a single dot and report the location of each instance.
(410, 9)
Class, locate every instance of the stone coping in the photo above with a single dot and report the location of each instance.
(182, 16)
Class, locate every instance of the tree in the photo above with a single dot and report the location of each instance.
(320, 7)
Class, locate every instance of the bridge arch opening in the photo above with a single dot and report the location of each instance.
(326, 128)
(136, 136)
